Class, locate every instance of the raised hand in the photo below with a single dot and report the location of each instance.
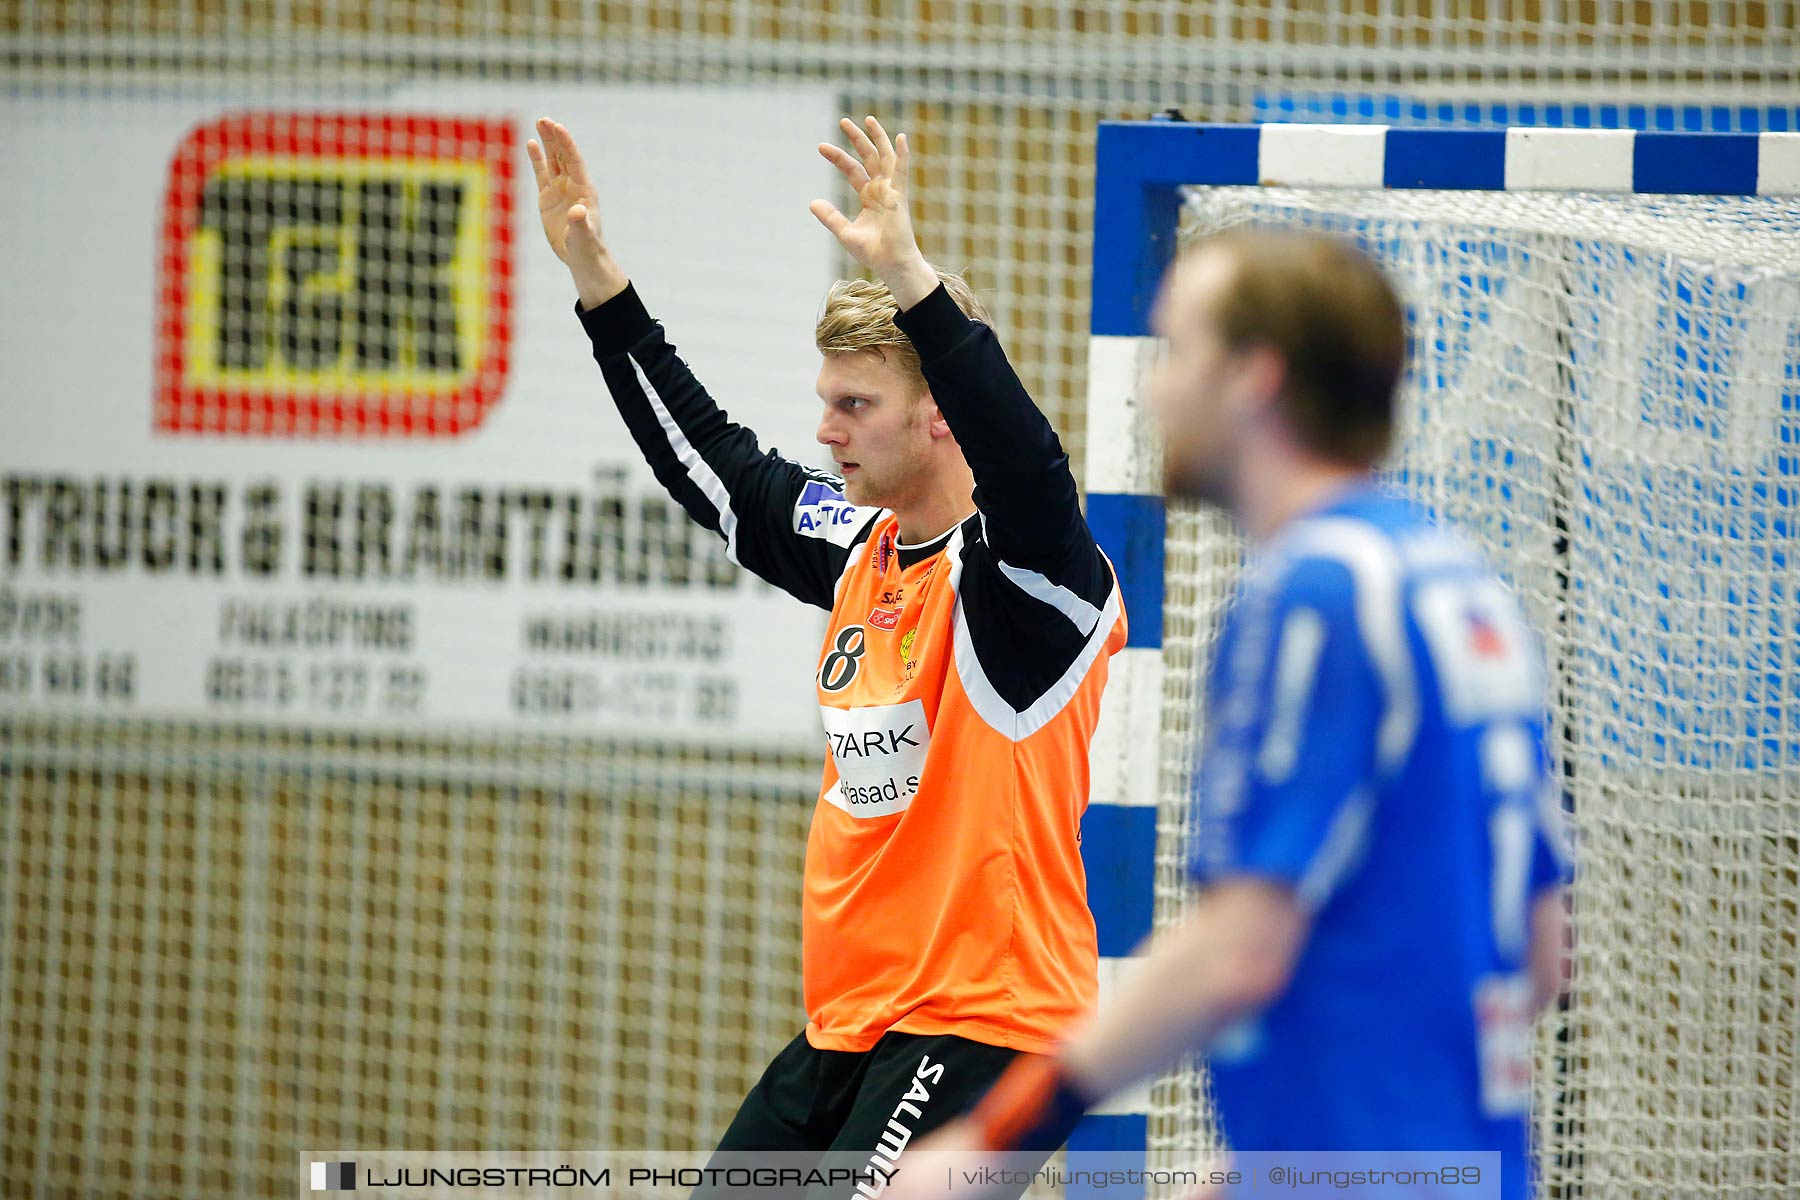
(569, 207)
(881, 237)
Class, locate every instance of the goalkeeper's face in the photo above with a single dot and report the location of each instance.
(886, 436)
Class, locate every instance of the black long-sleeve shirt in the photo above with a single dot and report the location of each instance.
(1033, 582)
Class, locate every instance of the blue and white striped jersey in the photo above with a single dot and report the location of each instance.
(1375, 737)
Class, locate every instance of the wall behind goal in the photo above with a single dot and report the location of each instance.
(226, 938)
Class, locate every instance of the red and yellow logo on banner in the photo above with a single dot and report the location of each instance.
(332, 274)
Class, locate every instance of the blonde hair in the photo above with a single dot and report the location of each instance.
(858, 314)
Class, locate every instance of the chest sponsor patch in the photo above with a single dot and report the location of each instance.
(880, 756)
(884, 618)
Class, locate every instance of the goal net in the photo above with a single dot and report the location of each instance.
(1603, 391)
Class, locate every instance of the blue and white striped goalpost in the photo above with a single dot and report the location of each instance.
(1142, 170)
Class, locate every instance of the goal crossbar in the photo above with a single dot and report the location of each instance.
(1141, 166)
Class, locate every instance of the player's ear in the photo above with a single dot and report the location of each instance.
(933, 417)
(1260, 378)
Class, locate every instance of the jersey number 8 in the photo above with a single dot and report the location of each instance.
(840, 666)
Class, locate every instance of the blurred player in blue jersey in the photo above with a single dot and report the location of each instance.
(1379, 907)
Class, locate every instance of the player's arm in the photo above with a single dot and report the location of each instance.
(569, 206)
(1031, 511)
(786, 522)
(1230, 957)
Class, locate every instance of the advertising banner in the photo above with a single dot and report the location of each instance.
(300, 425)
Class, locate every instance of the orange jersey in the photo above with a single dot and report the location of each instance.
(959, 685)
(944, 884)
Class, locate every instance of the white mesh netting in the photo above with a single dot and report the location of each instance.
(1605, 392)
(222, 941)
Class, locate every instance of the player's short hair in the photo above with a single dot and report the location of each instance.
(858, 314)
(1326, 308)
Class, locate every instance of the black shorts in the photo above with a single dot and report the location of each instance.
(849, 1105)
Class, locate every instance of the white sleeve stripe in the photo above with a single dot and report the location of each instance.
(1344, 844)
(1375, 569)
(992, 707)
(703, 476)
(1296, 673)
(1081, 614)
(1038, 586)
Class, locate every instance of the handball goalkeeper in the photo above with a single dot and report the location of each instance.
(1379, 864)
(945, 924)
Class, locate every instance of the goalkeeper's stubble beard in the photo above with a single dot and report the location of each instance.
(896, 471)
